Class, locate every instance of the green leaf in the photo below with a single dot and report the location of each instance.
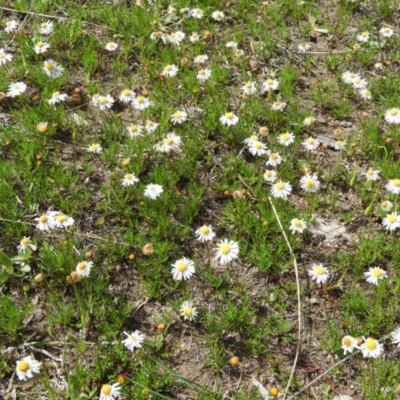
(4, 259)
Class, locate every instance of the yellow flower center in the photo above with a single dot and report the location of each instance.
(229, 115)
(128, 177)
(392, 218)
(357, 80)
(49, 66)
(181, 267)
(386, 29)
(103, 99)
(55, 94)
(274, 156)
(258, 145)
(371, 344)
(43, 219)
(364, 34)
(2, 55)
(310, 141)
(25, 241)
(310, 183)
(370, 172)
(202, 72)
(81, 266)
(297, 223)
(8, 23)
(23, 366)
(106, 389)
(178, 114)
(42, 128)
(339, 143)
(377, 272)
(396, 182)
(169, 141)
(187, 311)
(205, 230)
(268, 174)
(248, 85)
(39, 44)
(319, 270)
(126, 92)
(43, 25)
(280, 185)
(253, 137)
(61, 218)
(140, 99)
(347, 341)
(285, 137)
(393, 111)
(269, 81)
(225, 248)
(168, 67)
(93, 147)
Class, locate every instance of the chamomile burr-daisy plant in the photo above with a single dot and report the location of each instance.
(52, 69)
(111, 46)
(129, 180)
(83, 268)
(133, 340)
(187, 311)
(393, 186)
(57, 97)
(392, 116)
(281, 190)
(274, 160)
(349, 343)
(229, 119)
(396, 337)
(94, 148)
(27, 367)
(178, 117)
(375, 274)
(203, 74)
(387, 205)
(286, 139)
(46, 28)
(16, 89)
(257, 148)
(5, 57)
(25, 244)
(135, 130)
(110, 392)
(11, 25)
(269, 84)
(297, 225)
(140, 103)
(386, 32)
(310, 144)
(205, 233)
(372, 174)
(226, 251)
(153, 190)
(310, 183)
(183, 269)
(270, 176)
(319, 273)
(371, 348)
(126, 96)
(170, 70)
(41, 47)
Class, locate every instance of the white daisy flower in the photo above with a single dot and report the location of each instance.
(393, 186)
(396, 337)
(232, 44)
(226, 251)
(365, 94)
(310, 183)
(309, 121)
(257, 148)
(194, 37)
(110, 392)
(363, 37)
(52, 69)
(134, 340)
(349, 344)
(129, 179)
(372, 174)
(150, 126)
(24, 244)
(274, 160)
(371, 348)
(379, 66)
(179, 117)
(319, 273)
(200, 59)
(41, 47)
(270, 176)
(392, 116)
(5, 57)
(269, 84)
(205, 233)
(348, 77)
(183, 269)
(391, 222)
(386, 205)
(249, 141)
(281, 190)
(359, 83)
(27, 367)
(46, 28)
(61, 220)
(152, 191)
(297, 225)
(126, 96)
(42, 127)
(176, 38)
(203, 74)
(170, 70)
(57, 97)
(229, 119)
(134, 130)
(140, 103)
(16, 89)
(83, 268)
(171, 143)
(11, 25)
(249, 88)
(104, 102)
(218, 16)
(340, 144)
(196, 13)
(187, 311)
(286, 139)
(386, 32)
(94, 148)
(303, 47)
(44, 223)
(239, 52)
(374, 274)
(111, 46)
(310, 144)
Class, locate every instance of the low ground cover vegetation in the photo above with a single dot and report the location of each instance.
(198, 200)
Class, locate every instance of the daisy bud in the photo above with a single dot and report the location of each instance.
(227, 193)
(145, 392)
(8, 142)
(89, 254)
(38, 278)
(263, 130)
(25, 288)
(388, 140)
(121, 379)
(237, 194)
(131, 256)
(348, 57)
(337, 132)
(39, 157)
(144, 93)
(274, 391)
(75, 277)
(125, 163)
(148, 249)
(39, 163)
(161, 327)
(184, 61)
(78, 90)
(234, 361)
